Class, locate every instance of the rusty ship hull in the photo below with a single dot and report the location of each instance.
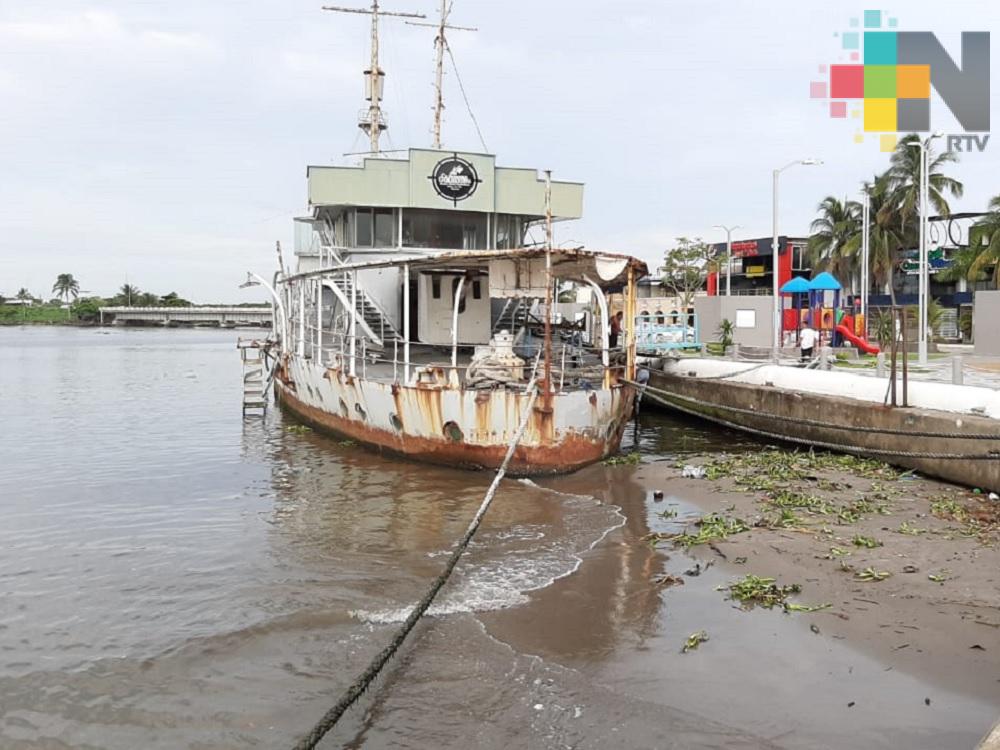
(463, 428)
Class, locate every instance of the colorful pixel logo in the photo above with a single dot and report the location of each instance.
(887, 77)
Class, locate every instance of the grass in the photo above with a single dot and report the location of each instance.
(12, 315)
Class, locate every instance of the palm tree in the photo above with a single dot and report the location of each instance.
(831, 233)
(984, 241)
(903, 181)
(66, 286)
(23, 294)
(129, 293)
(148, 299)
(886, 235)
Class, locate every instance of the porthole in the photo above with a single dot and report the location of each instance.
(395, 421)
(453, 432)
(360, 411)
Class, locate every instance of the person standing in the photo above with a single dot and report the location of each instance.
(807, 340)
(616, 329)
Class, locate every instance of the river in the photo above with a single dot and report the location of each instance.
(174, 575)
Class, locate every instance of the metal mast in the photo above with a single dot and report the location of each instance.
(440, 45)
(372, 121)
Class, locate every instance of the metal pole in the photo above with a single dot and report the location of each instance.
(354, 322)
(906, 356)
(866, 220)
(776, 322)
(406, 322)
(548, 283)
(729, 262)
(924, 280)
(318, 358)
(301, 348)
(454, 322)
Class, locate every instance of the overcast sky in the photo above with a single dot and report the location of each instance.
(166, 142)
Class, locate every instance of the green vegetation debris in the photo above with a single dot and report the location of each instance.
(298, 429)
(868, 542)
(668, 513)
(694, 640)
(870, 574)
(626, 459)
(710, 528)
(792, 607)
(754, 590)
(906, 528)
(346, 443)
(941, 576)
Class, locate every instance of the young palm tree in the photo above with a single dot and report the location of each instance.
(831, 233)
(66, 286)
(887, 234)
(984, 240)
(903, 181)
(23, 294)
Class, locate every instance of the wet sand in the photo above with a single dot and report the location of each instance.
(902, 662)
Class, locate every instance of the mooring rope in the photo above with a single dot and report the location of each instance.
(331, 717)
(668, 398)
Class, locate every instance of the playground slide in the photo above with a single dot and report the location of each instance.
(859, 342)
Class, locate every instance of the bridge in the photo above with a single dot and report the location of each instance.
(224, 317)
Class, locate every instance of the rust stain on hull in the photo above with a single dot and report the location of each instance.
(572, 452)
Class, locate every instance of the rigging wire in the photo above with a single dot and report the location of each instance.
(465, 97)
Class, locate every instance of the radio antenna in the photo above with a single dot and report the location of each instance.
(440, 45)
(372, 121)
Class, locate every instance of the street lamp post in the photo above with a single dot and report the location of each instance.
(923, 279)
(729, 254)
(865, 251)
(776, 322)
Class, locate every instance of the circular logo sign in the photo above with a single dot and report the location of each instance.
(454, 179)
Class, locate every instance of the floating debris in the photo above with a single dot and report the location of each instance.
(693, 472)
(694, 640)
(298, 429)
(710, 528)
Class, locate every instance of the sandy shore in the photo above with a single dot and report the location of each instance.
(904, 651)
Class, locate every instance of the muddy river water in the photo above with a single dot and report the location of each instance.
(173, 576)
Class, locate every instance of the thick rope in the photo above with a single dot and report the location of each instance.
(331, 717)
(664, 398)
(831, 425)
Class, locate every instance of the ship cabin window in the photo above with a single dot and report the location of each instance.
(477, 289)
(509, 231)
(436, 287)
(660, 318)
(444, 230)
(374, 227)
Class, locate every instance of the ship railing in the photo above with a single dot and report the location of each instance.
(574, 366)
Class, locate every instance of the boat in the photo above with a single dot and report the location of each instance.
(947, 431)
(420, 320)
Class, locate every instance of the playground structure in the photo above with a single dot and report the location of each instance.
(667, 333)
(817, 303)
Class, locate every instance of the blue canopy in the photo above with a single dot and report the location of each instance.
(823, 282)
(797, 285)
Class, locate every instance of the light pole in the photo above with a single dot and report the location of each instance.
(865, 250)
(729, 254)
(923, 280)
(776, 322)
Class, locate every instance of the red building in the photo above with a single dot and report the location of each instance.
(753, 265)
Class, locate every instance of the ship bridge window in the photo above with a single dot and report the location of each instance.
(446, 230)
(374, 227)
(436, 287)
